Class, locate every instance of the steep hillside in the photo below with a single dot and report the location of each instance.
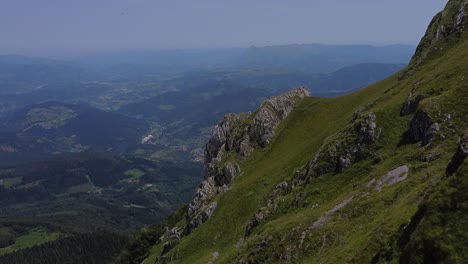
(376, 176)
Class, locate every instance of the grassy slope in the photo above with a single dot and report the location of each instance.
(441, 234)
(358, 231)
(370, 222)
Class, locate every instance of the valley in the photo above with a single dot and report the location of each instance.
(368, 177)
(296, 153)
(91, 153)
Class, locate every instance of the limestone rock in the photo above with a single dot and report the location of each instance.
(460, 155)
(444, 25)
(259, 216)
(271, 113)
(411, 103)
(422, 128)
(392, 177)
(240, 134)
(355, 142)
(230, 170)
(282, 186)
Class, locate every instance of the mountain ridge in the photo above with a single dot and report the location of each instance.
(347, 179)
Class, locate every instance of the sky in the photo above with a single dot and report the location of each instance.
(78, 27)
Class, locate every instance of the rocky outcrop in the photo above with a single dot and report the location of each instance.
(448, 23)
(460, 155)
(458, 22)
(280, 190)
(391, 178)
(272, 113)
(236, 136)
(355, 142)
(230, 170)
(422, 128)
(259, 216)
(173, 239)
(411, 103)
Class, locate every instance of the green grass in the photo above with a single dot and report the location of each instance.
(370, 223)
(134, 173)
(31, 239)
(85, 187)
(301, 135)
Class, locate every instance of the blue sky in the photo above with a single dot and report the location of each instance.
(61, 27)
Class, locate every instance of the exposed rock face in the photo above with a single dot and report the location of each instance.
(230, 170)
(174, 237)
(271, 113)
(411, 103)
(354, 143)
(422, 128)
(392, 177)
(446, 24)
(460, 155)
(459, 19)
(199, 211)
(239, 135)
(256, 219)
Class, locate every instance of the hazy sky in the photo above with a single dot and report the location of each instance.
(57, 27)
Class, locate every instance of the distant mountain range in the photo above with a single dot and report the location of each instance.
(319, 58)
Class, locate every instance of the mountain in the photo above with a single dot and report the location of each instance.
(343, 80)
(375, 176)
(320, 58)
(165, 60)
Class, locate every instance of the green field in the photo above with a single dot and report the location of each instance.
(35, 237)
(9, 182)
(134, 173)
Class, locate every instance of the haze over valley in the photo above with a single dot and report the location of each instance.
(219, 132)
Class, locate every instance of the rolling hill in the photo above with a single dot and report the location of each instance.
(55, 127)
